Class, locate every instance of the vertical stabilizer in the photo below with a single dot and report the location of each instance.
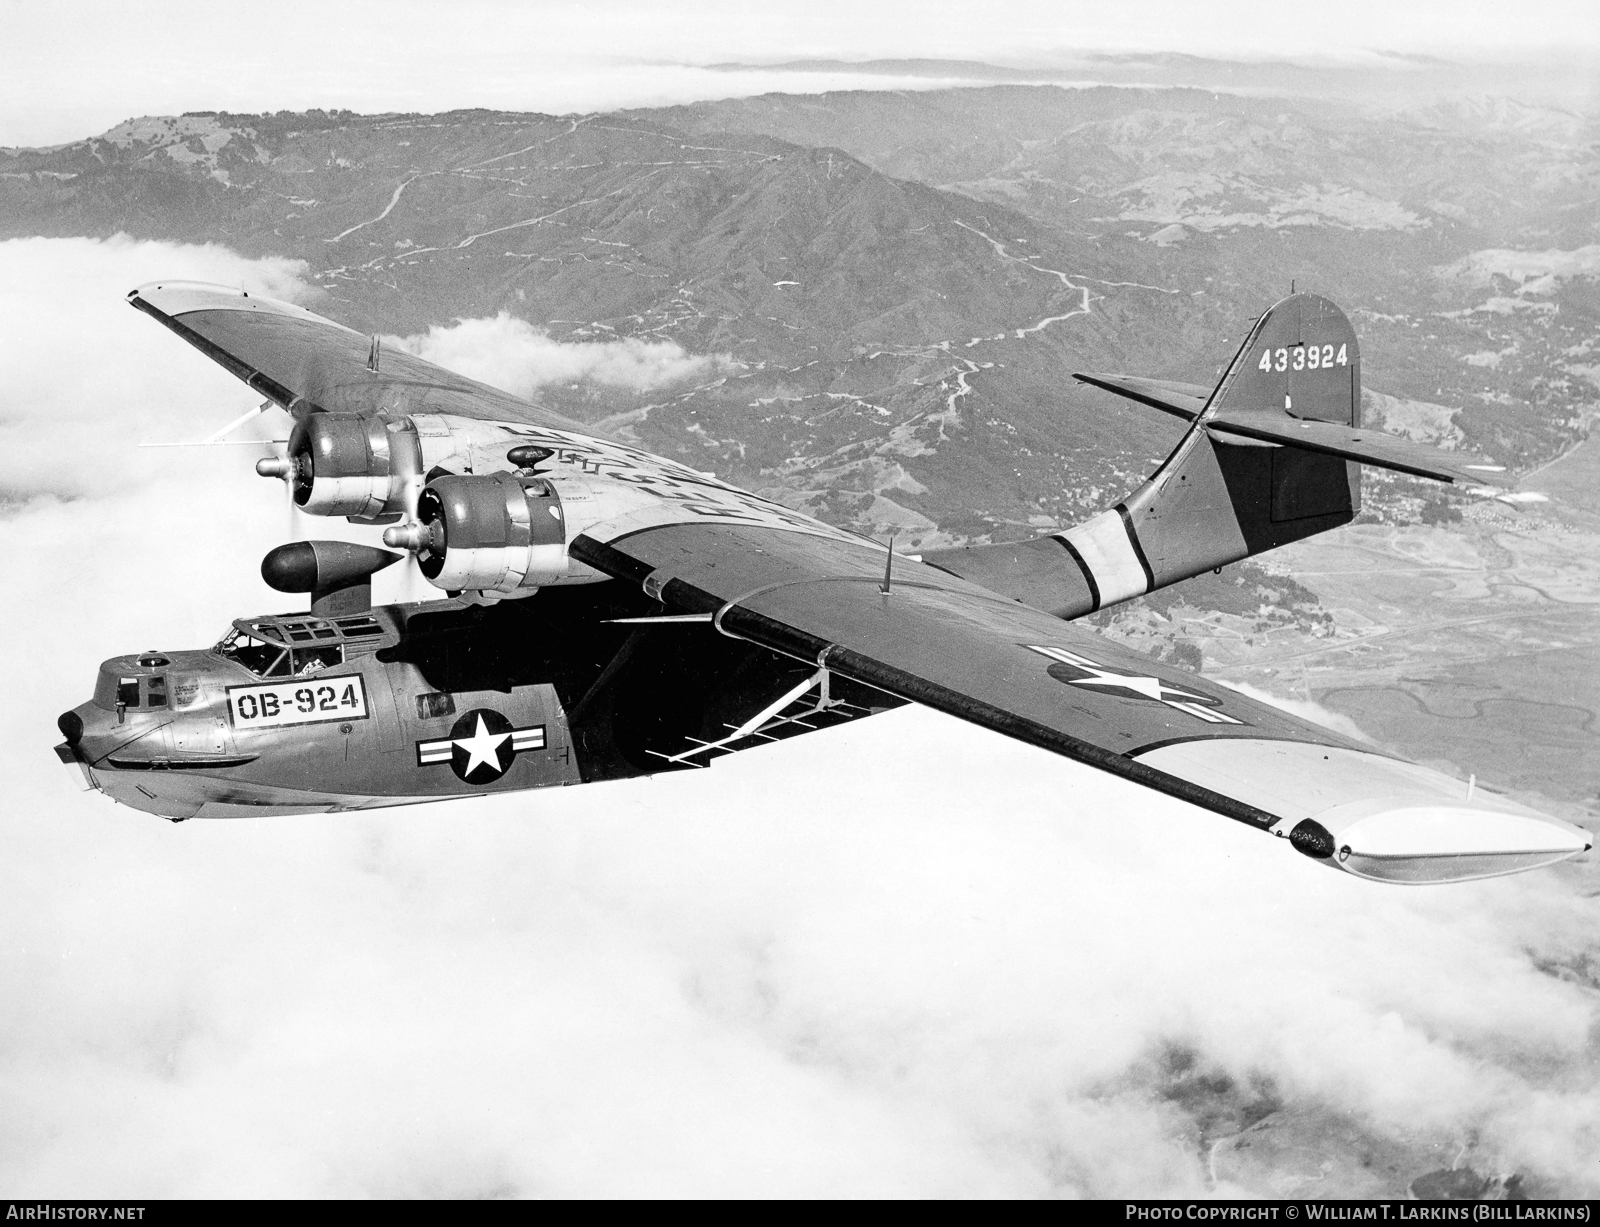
(1301, 359)
(1218, 499)
(1219, 496)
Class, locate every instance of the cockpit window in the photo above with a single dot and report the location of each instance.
(128, 692)
(261, 658)
(315, 660)
(432, 706)
(266, 659)
(155, 691)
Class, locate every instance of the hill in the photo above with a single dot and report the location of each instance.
(1408, 217)
(870, 323)
(896, 286)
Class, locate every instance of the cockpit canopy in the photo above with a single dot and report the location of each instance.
(267, 659)
(300, 645)
(271, 646)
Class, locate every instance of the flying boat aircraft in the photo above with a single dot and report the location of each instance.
(605, 613)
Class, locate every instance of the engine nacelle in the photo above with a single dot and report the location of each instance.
(348, 465)
(491, 532)
(370, 467)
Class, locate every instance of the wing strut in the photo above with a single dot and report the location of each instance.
(767, 718)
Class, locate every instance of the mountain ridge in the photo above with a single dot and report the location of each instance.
(903, 281)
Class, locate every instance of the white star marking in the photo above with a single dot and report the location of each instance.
(483, 748)
(1191, 704)
(1149, 687)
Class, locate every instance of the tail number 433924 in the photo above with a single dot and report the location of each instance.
(1303, 358)
(304, 701)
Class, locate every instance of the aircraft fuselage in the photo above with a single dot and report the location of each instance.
(402, 704)
(279, 721)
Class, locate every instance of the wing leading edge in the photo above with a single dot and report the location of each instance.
(307, 363)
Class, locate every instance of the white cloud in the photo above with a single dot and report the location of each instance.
(904, 958)
(511, 354)
(1306, 709)
(88, 379)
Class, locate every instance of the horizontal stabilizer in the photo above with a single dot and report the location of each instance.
(1357, 443)
(1184, 400)
(1374, 447)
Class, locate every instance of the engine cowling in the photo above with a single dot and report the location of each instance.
(349, 465)
(491, 532)
(370, 467)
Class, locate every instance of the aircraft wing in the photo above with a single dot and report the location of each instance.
(299, 359)
(952, 645)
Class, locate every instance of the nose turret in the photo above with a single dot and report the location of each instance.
(129, 716)
(151, 712)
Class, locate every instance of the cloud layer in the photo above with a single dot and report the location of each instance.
(624, 53)
(904, 957)
(87, 378)
(513, 355)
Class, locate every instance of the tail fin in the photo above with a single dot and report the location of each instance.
(1301, 358)
(1269, 458)
(1220, 497)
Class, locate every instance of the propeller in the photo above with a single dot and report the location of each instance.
(296, 526)
(281, 465)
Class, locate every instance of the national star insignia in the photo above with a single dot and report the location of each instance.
(1149, 687)
(1199, 706)
(481, 747)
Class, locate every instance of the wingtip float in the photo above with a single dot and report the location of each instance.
(608, 613)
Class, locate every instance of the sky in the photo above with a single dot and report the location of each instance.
(905, 957)
(79, 67)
